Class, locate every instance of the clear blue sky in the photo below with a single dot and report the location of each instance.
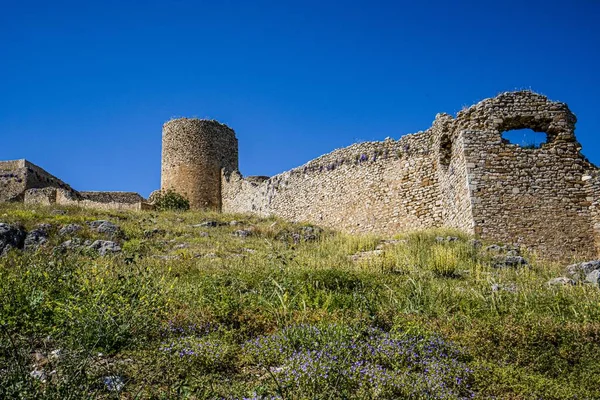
(85, 86)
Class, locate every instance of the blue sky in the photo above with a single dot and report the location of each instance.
(85, 86)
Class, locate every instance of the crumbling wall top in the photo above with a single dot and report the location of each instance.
(520, 110)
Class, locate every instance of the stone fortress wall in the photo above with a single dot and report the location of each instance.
(593, 185)
(460, 173)
(532, 196)
(20, 180)
(20, 175)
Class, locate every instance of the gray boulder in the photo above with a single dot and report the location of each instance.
(593, 277)
(69, 229)
(208, 224)
(11, 237)
(242, 233)
(35, 239)
(105, 227)
(509, 261)
(561, 281)
(105, 247)
(581, 270)
(72, 244)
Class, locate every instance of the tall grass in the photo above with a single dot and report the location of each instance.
(268, 316)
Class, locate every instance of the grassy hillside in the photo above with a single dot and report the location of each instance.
(262, 308)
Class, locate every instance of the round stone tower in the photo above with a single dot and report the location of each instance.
(194, 151)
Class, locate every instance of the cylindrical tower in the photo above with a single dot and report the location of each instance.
(194, 151)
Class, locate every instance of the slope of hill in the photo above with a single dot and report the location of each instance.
(192, 305)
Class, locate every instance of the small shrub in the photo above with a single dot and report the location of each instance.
(170, 200)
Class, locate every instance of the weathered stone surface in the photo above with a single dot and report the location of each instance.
(580, 270)
(460, 173)
(208, 224)
(511, 287)
(509, 261)
(243, 233)
(69, 229)
(105, 247)
(11, 237)
(105, 227)
(71, 244)
(35, 239)
(561, 281)
(194, 153)
(593, 277)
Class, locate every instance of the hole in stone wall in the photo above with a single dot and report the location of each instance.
(526, 138)
(445, 150)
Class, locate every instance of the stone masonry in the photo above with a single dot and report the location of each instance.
(460, 173)
(194, 152)
(25, 182)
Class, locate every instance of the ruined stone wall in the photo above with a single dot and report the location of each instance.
(97, 200)
(453, 176)
(13, 180)
(460, 173)
(592, 179)
(385, 187)
(39, 178)
(532, 196)
(194, 152)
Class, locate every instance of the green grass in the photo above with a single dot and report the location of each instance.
(264, 317)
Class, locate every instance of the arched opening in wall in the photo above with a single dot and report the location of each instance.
(445, 150)
(525, 138)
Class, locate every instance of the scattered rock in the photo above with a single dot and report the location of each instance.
(235, 223)
(105, 227)
(593, 277)
(11, 237)
(45, 227)
(69, 229)
(581, 270)
(35, 239)
(494, 248)
(202, 234)
(561, 281)
(512, 288)
(105, 247)
(310, 233)
(475, 243)
(69, 245)
(447, 239)
(113, 383)
(243, 233)
(39, 375)
(154, 232)
(208, 224)
(181, 246)
(165, 257)
(509, 261)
